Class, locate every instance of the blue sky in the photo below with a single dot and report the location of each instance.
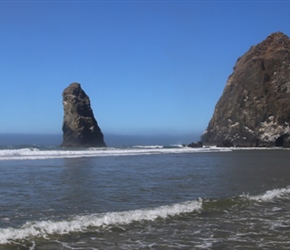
(149, 67)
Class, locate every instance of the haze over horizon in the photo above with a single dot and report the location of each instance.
(149, 67)
(112, 140)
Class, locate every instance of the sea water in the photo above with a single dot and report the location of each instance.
(144, 197)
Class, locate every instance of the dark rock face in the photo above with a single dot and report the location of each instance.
(254, 109)
(80, 128)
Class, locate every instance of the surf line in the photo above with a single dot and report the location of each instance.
(82, 223)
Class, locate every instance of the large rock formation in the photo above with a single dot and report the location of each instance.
(80, 128)
(254, 109)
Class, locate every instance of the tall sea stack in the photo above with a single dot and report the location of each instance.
(80, 128)
(254, 109)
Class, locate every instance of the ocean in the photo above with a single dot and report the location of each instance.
(144, 197)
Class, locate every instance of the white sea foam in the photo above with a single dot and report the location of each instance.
(37, 154)
(148, 147)
(271, 195)
(82, 223)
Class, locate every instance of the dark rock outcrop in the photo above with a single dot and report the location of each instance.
(195, 145)
(254, 109)
(80, 128)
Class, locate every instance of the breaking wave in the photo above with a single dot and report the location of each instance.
(270, 195)
(83, 223)
(39, 154)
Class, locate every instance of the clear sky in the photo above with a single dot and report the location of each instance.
(148, 66)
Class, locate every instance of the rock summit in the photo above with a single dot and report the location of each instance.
(80, 128)
(254, 109)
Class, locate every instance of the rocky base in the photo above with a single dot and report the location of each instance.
(195, 145)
